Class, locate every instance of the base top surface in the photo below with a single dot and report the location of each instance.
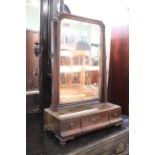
(82, 110)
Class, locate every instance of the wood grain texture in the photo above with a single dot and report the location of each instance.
(69, 123)
(118, 84)
(45, 62)
(32, 61)
(32, 73)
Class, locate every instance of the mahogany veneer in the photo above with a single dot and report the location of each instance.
(68, 123)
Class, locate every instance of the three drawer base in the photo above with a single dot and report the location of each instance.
(69, 123)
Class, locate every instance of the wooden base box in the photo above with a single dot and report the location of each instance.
(69, 123)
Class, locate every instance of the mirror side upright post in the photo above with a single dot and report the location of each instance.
(105, 68)
(104, 71)
(55, 42)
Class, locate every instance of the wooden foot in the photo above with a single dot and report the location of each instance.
(62, 143)
(45, 129)
(120, 124)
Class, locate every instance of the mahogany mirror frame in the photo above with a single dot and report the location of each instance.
(55, 105)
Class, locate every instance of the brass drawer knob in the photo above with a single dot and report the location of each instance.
(94, 119)
(71, 125)
(115, 114)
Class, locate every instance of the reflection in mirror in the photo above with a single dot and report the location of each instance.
(80, 52)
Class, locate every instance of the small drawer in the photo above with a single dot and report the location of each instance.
(70, 124)
(115, 113)
(95, 120)
(115, 116)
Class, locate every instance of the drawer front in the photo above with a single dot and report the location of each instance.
(70, 124)
(120, 145)
(70, 128)
(95, 120)
(115, 116)
(117, 144)
(122, 148)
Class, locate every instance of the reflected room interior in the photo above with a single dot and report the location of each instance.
(80, 53)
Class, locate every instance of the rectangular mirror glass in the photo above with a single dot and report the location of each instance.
(79, 60)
